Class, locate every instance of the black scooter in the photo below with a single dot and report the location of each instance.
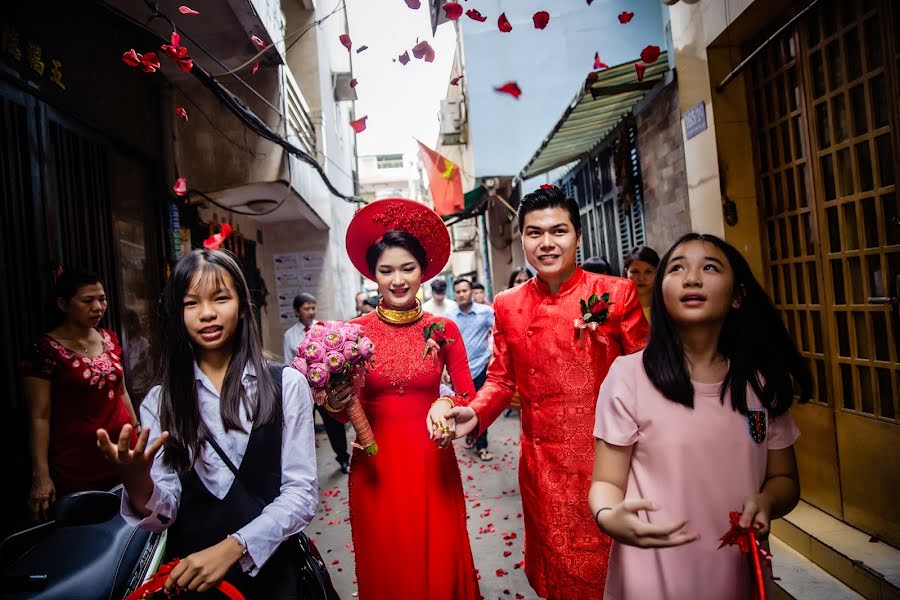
(86, 552)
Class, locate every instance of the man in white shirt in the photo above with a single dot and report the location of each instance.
(439, 305)
(305, 309)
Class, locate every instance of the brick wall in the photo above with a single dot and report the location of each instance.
(661, 153)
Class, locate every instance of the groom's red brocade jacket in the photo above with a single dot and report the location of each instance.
(558, 378)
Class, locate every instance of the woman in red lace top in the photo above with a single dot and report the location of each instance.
(74, 385)
(407, 509)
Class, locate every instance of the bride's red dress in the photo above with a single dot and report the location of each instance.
(407, 509)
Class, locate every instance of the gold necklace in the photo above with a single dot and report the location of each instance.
(399, 317)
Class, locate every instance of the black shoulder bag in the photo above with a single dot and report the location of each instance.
(314, 578)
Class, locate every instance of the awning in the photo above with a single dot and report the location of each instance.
(603, 100)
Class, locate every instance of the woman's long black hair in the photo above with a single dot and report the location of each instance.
(759, 349)
(179, 408)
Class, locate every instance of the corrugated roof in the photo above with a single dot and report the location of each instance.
(605, 97)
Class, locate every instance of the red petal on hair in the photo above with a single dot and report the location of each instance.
(361, 48)
(215, 241)
(353, 83)
(599, 64)
(455, 80)
(414, 4)
(181, 113)
(547, 186)
(132, 58)
(650, 54)
(625, 16)
(187, 10)
(225, 230)
(258, 41)
(404, 58)
(149, 62)
(503, 23)
(359, 125)
(453, 10)
(639, 68)
(475, 15)
(540, 18)
(255, 68)
(345, 41)
(180, 187)
(424, 51)
(511, 88)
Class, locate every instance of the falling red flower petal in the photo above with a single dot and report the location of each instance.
(625, 16)
(255, 68)
(650, 54)
(181, 113)
(353, 83)
(453, 10)
(180, 187)
(503, 23)
(132, 58)
(404, 58)
(149, 62)
(424, 51)
(511, 88)
(455, 80)
(359, 125)
(187, 10)
(215, 241)
(540, 18)
(414, 4)
(599, 64)
(258, 41)
(475, 15)
(345, 41)
(639, 68)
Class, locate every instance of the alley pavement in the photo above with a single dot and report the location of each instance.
(493, 506)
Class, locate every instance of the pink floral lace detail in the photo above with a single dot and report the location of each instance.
(101, 370)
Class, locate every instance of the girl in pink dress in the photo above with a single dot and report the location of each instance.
(695, 426)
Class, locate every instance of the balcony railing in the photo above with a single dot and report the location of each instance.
(301, 130)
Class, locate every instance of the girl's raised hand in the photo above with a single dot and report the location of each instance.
(131, 462)
(623, 525)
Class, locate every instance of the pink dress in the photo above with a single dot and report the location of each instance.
(696, 464)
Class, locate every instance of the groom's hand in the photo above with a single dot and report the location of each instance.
(466, 420)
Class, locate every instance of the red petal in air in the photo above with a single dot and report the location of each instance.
(503, 23)
(181, 113)
(255, 68)
(187, 10)
(215, 241)
(414, 4)
(455, 80)
(453, 10)
(132, 58)
(511, 88)
(639, 68)
(424, 51)
(475, 15)
(258, 41)
(353, 83)
(404, 58)
(180, 187)
(625, 16)
(599, 64)
(650, 54)
(359, 125)
(345, 41)
(540, 18)
(149, 62)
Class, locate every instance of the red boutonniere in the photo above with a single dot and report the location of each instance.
(435, 339)
(745, 539)
(594, 312)
(154, 585)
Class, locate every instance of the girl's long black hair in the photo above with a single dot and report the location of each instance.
(179, 408)
(760, 351)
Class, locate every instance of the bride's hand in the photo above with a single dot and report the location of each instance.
(441, 430)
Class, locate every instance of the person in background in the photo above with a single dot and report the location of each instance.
(360, 298)
(438, 305)
(479, 294)
(519, 276)
(368, 306)
(475, 322)
(597, 264)
(305, 309)
(640, 267)
(74, 384)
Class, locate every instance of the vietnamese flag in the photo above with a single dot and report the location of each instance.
(445, 182)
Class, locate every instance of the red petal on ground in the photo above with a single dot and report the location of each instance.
(181, 113)
(404, 58)
(540, 18)
(149, 62)
(639, 68)
(258, 41)
(414, 4)
(345, 41)
(132, 58)
(625, 16)
(475, 15)
(519, 596)
(180, 187)
(187, 10)
(503, 23)
(650, 54)
(424, 51)
(507, 553)
(353, 83)
(453, 10)
(361, 48)
(335, 562)
(511, 88)
(359, 125)
(519, 564)
(599, 64)
(501, 572)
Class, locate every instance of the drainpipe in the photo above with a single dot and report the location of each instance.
(485, 249)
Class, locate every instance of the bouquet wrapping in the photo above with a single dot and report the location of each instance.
(332, 354)
(745, 539)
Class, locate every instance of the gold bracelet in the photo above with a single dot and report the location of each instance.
(332, 410)
(447, 398)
